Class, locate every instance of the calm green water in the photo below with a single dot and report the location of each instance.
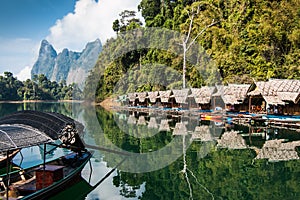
(163, 160)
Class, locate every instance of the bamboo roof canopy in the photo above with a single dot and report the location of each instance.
(180, 95)
(233, 93)
(202, 95)
(232, 140)
(152, 123)
(131, 119)
(164, 96)
(29, 128)
(131, 97)
(180, 129)
(141, 96)
(278, 150)
(202, 133)
(164, 125)
(153, 96)
(141, 120)
(277, 91)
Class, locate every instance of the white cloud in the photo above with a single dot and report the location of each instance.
(24, 74)
(90, 20)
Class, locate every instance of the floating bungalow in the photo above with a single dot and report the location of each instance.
(152, 123)
(200, 98)
(141, 120)
(164, 125)
(132, 99)
(232, 140)
(142, 99)
(279, 150)
(202, 133)
(153, 98)
(164, 97)
(180, 129)
(276, 96)
(232, 97)
(179, 98)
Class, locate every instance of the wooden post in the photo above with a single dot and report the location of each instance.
(250, 104)
(7, 173)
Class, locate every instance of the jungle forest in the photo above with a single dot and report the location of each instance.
(248, 40)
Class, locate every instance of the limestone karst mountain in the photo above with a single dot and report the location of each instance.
(67, 65)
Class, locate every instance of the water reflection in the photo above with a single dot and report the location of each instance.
(214, 159)
(216, 163)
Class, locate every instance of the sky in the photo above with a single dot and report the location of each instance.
(64, 23)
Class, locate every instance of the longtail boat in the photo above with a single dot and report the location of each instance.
(27, 129)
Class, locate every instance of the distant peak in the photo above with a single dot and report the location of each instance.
(44, 42)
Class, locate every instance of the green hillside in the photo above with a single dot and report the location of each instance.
(246, 40)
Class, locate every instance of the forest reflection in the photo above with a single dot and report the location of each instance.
(214, 159)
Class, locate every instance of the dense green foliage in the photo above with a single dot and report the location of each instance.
(40, 88)
(252, 39)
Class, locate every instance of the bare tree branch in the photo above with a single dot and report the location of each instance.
(202, 31)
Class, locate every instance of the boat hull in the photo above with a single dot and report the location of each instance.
(61, 185)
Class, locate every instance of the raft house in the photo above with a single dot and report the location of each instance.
(273, 97)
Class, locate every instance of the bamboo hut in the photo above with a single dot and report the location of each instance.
(142, 99)
(141, 120)
(164, 98)
(153, 98)
(152, 123)
(276, 96)
(180, 129)
(200, 98)
(217, 100)
(232, 140)
(179, 98)
(164, 125)
(278, 150)
(202, 133)
(232, 97)
(131, 119)
(132, 99)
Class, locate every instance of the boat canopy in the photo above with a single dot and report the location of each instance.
(29, 128)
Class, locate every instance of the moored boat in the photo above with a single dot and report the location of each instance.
(40, 181)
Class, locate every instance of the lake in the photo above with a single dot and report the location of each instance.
(159, 156)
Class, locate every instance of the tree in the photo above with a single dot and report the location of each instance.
(116, 26)
(188, 41)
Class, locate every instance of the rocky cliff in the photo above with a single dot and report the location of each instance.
(70, 66)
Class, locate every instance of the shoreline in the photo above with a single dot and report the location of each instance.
(43, 101)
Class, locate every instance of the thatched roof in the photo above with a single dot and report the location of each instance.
(277, 91)
(131, 119)
(233, 93)
(141, 120)
(278, 150)
(232, 140)
(164, 125)
(164, 96)
(202, 95)
(29, 128)
(141, 96)
(202, 133)
(131, 97)
(180, 129)
(152, 123)
(153, 96)
(180, 95)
